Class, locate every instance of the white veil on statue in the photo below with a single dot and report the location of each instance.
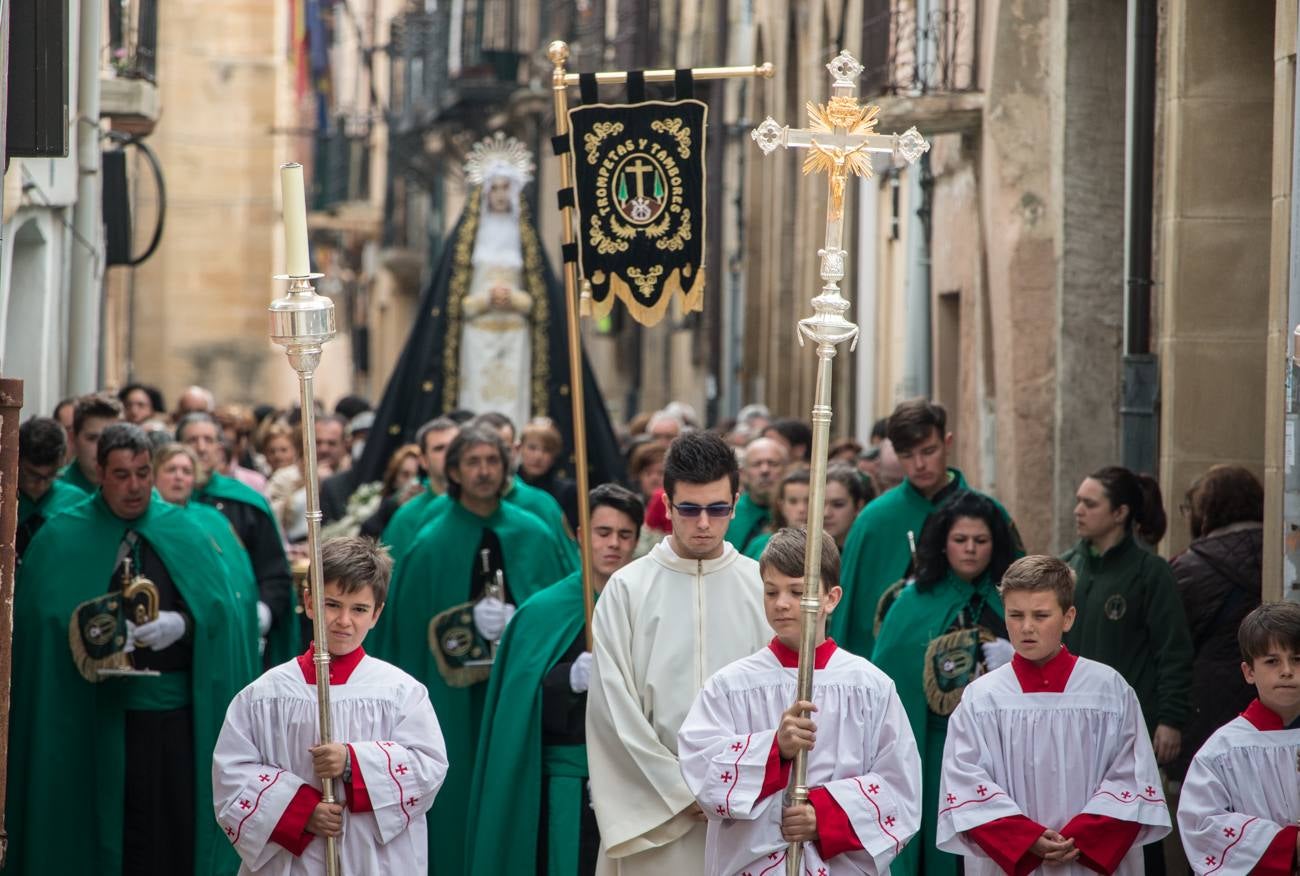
(495, 343)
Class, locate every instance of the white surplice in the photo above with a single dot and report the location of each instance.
(1242, 789)
(865, 757)
(261, 760)
(663, 625)
(1049, 757)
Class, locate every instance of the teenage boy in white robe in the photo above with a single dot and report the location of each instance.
(388, 766)
(740, 738)
(663, 625)
(1047, 758)
(1240, 801)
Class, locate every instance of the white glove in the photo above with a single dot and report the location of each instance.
(162, 633)
(580, 673)
(997, 653)
(491, 616)
(263, 618)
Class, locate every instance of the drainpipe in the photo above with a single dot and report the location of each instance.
(1139, 404)
(86, 265)
(1280, 536)
(916, 360)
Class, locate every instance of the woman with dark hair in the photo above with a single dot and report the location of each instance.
(1130, 617)
(1218, 578)
(942, 631)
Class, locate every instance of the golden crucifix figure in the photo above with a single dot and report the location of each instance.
(841, 139)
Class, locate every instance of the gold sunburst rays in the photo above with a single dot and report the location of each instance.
(856, 119)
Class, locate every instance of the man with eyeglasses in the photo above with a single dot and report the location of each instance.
(765, 463)
(42, 444)
(664, 624)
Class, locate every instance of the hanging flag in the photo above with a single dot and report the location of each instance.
(639, 193)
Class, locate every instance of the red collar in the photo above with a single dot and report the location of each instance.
(789, 658)
(1263, 717)
(1051, 677)
(340, 667)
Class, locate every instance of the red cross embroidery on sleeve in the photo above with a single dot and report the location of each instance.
(401, 769)
(1127, 794)
(821, 871)
(951, 798)
(981, 790)
(1209, 859)
(726, 777)
(722, 810)
(411, 801)
(874, 789)
(230, 832)
(1229, 831)
(244, 804)
(1151, 792)
(889, 821)
(264, 778)
(772, 857)
(736, 746)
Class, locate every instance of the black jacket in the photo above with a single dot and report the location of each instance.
(1218, 578)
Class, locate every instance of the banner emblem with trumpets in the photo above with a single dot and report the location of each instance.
(640, 201)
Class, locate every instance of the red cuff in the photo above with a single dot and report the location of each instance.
(291, 830)
(777, 775)
(835, 833)
(1008, 841)
(1102, 841)
(1279, 858)
(357, 796)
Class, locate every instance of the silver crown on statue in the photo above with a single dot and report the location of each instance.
(496, 156)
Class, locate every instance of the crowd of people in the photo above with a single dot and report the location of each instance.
(163, 667)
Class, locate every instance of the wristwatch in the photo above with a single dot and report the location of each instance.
(347, 768)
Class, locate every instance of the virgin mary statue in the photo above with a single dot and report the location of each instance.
(490, 332)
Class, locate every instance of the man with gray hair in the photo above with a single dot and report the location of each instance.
(452, 595)
(251, 518)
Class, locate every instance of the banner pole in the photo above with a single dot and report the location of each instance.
(558, 52)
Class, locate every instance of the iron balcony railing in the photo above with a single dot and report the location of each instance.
(918, 47)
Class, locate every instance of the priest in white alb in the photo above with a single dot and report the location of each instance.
(388, 764)
(738, 743)
(1047, 759)
(664, 624)
(1239, 809)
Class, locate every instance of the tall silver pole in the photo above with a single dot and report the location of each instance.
(302, 322)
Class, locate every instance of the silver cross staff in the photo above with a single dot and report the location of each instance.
(840, 139)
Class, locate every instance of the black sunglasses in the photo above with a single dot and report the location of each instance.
(690, 509)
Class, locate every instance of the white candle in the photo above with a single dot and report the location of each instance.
(294, 205)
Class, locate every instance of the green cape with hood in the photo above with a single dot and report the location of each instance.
(66, 737)
(512, 765)
(435, 575)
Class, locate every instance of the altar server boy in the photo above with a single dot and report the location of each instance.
(737, 744)
(1047, 758)
(387, 765)
(1241, 799)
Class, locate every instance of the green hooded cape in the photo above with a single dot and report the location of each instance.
(510, 769)
(72, 474)
(239, 571)
(61, 496)
(747, 523)
(877, 554)
(66, 737)
(913, 621)
(406, 522)
(409, 519)
(282, 640)
(434, 576)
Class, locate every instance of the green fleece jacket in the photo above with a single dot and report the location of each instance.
(1131, 619)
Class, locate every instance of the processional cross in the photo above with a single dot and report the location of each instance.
(841, 139)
